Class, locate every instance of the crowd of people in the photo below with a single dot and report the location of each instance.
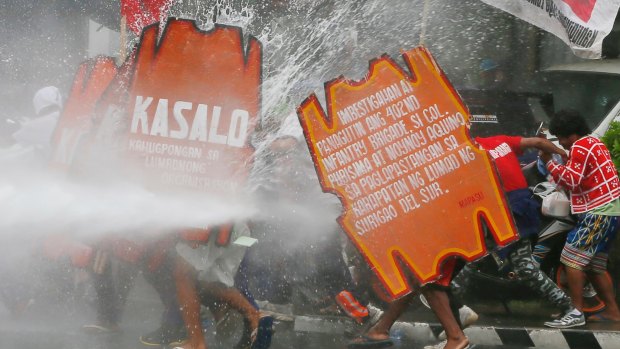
(195, 268)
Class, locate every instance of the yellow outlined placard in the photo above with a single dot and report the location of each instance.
(396, 150)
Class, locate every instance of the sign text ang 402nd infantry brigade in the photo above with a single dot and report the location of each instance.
(396, 150)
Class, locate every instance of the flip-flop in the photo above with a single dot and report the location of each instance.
(599, 318)
(367, 342)
(100, 329)
(261, 337)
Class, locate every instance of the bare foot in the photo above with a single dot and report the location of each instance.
(376, 335)
(603, 316)
(253, 320)
(457, 344)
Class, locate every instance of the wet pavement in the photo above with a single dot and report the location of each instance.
(57, 325)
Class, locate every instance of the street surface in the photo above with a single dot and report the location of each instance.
(58, 326)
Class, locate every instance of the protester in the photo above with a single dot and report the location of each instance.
(525, 210)
(37, 131)
(29, 146)
(158, 271)
(300, 229)
(113, 277)
(209, 265)
(32, 141)
(378, 335)
(590, 176)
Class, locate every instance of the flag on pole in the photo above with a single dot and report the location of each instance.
(581, 24)
(140, 13)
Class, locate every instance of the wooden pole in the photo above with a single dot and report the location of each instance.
(424, 19)
(122, 53)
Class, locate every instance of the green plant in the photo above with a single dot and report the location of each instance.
(612, 141)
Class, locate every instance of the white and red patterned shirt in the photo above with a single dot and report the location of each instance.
(589, 174)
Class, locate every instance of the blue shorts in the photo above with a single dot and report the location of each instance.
(587, 245)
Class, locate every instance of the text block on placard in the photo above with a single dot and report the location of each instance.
(395, 148)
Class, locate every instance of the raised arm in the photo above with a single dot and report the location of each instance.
(543, 145)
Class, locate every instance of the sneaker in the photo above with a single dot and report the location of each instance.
(467, 316)
(353, 329)
(567, 321)
(165, 336)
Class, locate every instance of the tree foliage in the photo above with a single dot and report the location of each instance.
(612, 141)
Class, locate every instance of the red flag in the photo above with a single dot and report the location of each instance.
(140, 13)
(581, 24)
(582, 8)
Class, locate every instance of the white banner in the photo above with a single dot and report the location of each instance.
(581, 24)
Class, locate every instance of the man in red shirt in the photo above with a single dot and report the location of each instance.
(525, 210)
(593, 181)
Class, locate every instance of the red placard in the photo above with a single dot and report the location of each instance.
(396, 150)
(194, 103)
(91, 80)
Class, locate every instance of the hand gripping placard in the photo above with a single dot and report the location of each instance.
(396, 149)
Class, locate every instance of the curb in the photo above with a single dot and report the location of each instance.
(426, 333)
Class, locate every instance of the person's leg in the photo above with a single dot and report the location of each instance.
(162, 280)
(189, 303)
(242, 281)
(172, 328)
(338, 280)
(605, 289)
(331, 265)
(576, 279)
(590, 235)
(600, 278)
(123, 277)
(529, 272)
(440, 304)
(381, 330)
(106, 304)
(219, 298)
(233, 298)
(585, 249)
(455, 305)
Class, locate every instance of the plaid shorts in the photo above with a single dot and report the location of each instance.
(587, 245)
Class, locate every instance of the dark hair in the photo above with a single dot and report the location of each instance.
(568, 122)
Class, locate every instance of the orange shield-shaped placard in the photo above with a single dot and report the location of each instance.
(194, 103)
(396, 149)
(92, 79)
